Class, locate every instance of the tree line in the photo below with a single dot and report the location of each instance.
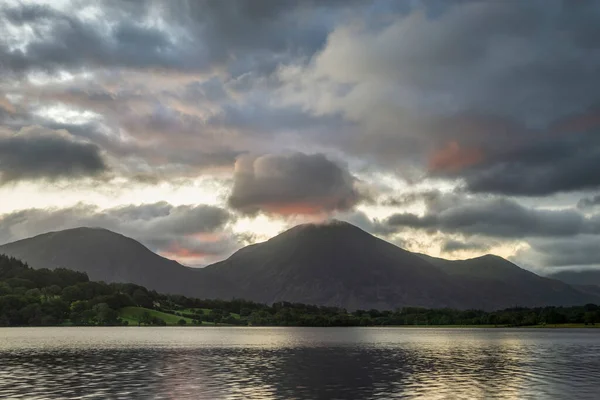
(43, 297)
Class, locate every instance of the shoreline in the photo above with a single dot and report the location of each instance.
(552, 326)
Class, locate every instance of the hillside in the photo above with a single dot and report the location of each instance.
(337, 264)
(59, 297)
(333, 264)
(500, 283)
(111, 257)
(589, 277)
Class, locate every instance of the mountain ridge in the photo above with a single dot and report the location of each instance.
(332, 264)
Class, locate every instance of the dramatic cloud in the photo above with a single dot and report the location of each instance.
(483, 109)
(192, 234)
(63, 40)
(499, 218)
(535, 164)
(292, 184)
(575, 252)
(453, 124)
(36, 153)
(191, 36)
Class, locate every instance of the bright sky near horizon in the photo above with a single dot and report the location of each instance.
(453, 128)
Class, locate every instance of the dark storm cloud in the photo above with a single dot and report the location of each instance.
(515, 88)
(258, 35)
(36, 153)
(559, 159)
(243, 36)
(61, 40)
(174, 230)
(499, 218)
(141, 160)
(292, 184)
(451, 245)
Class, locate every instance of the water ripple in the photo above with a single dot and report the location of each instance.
(297, 363)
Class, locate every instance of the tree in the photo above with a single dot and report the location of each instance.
(56, 308)
(32, 314)
(141, 299)
(53, 290)
(106, 315)
(217, 315)
(72, 293)
(35, 292)
(181, 322)
(78, 313)
(145, 319)
(244, 312)
(590, 318)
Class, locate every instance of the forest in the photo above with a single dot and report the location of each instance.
(61, 297)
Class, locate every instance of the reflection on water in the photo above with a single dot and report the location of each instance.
(298, 363)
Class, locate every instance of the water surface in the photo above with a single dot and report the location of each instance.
(298, 363)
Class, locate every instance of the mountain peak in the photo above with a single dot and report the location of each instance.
(332, 225)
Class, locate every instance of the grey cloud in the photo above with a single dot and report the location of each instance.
(511, 74)
(407, 199)
(36, 153)
(589, 202)
(577, 251)
(257, 35)
(200, 35)
(499, 218)
(451, 245)
(541, 164)
(65, 41)
(181, 155)
(360, 219)
(164, 142)
(292, 184)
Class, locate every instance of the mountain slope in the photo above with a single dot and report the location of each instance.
(111, 257)
(338, 264)
(334, 264)
(499, 283)
(588, 277)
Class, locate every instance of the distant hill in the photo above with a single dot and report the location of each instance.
(334, 264)
(588, 277)
(499, 283)
(111, 257)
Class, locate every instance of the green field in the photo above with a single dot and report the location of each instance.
(132, 314)
(559, 326)
(206, 311)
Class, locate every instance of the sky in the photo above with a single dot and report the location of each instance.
(452, 128)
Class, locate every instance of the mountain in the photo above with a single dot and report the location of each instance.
(337, 264)
(333, 264)
(588, 277)
(111, 257)
(499, 283)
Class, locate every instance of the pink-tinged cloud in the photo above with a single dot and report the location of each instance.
(578, 123)
(293, 184)
(6, 105)
(453, 158)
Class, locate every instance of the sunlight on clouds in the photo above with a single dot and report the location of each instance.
(63, 114)
(40, 78)
(25, 195)
(261, 227)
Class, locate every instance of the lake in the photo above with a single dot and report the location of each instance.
(299, 363)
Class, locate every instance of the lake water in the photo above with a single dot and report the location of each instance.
(298, 363)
